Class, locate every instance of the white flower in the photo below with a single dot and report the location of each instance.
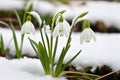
(47, 29)
(86, 35)
(61, 29)
(37, 16)
(28, 27)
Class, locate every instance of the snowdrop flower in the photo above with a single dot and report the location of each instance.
(47, 29)
(61, 29)
(28, 27)
(86, 35)
(37, 16)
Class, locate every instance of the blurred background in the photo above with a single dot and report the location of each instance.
(103, 14)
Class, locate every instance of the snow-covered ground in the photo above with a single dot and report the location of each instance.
(23, 69)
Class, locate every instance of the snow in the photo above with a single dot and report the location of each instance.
(23, 69)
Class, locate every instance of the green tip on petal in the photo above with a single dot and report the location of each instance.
(87, 41)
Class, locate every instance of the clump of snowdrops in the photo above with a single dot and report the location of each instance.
(46, 48)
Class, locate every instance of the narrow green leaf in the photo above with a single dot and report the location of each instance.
(77, 19)
(60, 61)
(18, 18)
(82, 15)
(24, 17)
(15, 41)
(38, 48)
(34, 45)
(44, 57)
(4, 23)
(30, 7)
(65, 65)
(1, 44)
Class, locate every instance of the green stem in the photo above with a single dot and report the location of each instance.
(54, 54)
(51, 49)
(21, 45)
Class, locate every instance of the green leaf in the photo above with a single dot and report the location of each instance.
(71, 59)
(65, 65)
(24, 17)
(30, 7)
(82, 15)
(77, 19)
(60, 61)
(15, 41)
(34, 45)
(4, 23)
(1, 44)
(44, 57)
(18, 18)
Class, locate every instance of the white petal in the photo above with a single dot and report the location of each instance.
(28, 27)
(37, 16)
(86, 35)
(56, 30)
(82, 37)
(66, 28)
(47, 29)
(93, 35)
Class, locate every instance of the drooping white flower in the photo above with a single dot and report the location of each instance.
(28, 28)
(37, 16)
(86, 35)
(47, 29)
(61, 29)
